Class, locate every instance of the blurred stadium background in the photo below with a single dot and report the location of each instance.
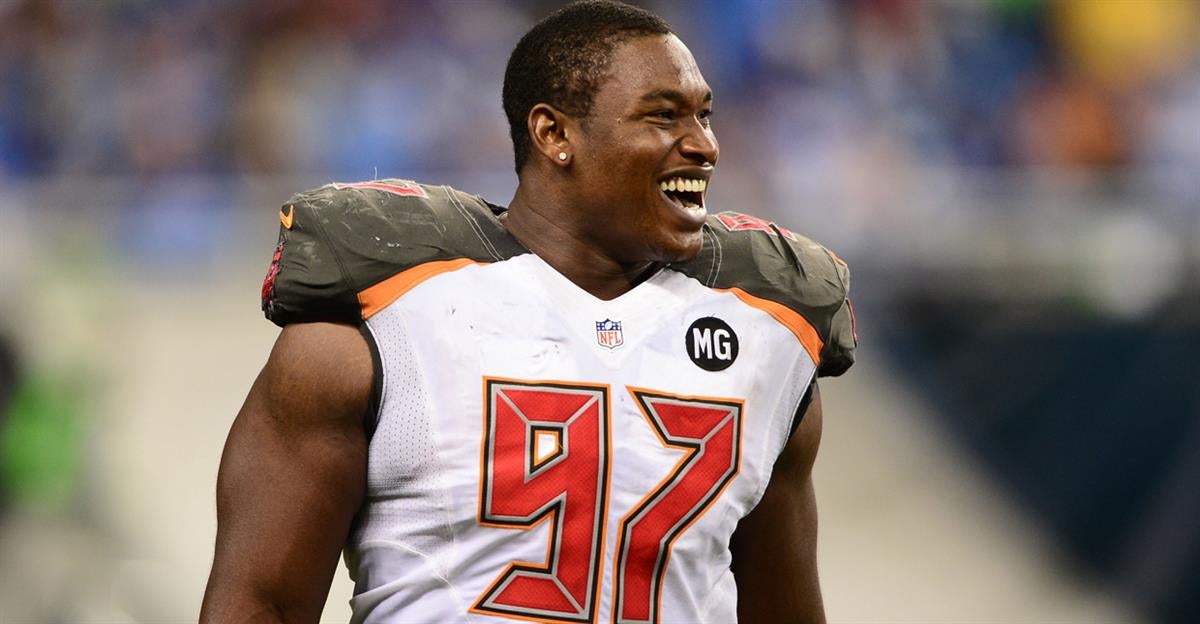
(1016, 184)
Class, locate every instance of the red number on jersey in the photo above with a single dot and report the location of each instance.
(710, 432)
(565, 480)
(400, 187)
(545, 457)
(735, 221)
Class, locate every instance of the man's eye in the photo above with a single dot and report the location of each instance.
(705, 117)
(663, 114)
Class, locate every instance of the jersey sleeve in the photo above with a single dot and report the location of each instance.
(304, 282)
(340, 239)
(842, 336)
(812, 281)
(803, 284)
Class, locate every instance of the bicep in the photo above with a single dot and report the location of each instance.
(292, 475)
(775, 546)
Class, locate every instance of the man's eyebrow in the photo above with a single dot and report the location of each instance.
(673, 95)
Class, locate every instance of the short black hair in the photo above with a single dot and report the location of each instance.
(563, 60)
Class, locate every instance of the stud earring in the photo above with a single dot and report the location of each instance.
(562, 155)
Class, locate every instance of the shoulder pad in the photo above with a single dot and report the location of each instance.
(338, 240)
(786, 275)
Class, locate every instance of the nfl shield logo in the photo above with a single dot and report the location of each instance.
(608, 334)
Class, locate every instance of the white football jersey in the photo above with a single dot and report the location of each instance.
(541, 454)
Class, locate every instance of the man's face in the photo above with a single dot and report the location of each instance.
(645, 154)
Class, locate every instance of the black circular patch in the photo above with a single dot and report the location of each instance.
(711, 344)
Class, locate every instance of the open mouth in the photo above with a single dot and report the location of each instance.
(687, 192)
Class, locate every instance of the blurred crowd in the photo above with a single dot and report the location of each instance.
(352, 88)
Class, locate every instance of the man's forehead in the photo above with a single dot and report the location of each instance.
(656, 67)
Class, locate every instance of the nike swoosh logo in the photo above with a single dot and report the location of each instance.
(285, 216)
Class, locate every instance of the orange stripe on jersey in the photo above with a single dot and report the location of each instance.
(382, 295)
(790, 319)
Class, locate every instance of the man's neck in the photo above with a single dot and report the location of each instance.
(542, 222)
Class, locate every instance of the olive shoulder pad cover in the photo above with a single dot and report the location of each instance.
(760, 261)
(338, 240)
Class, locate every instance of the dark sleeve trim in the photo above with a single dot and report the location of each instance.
(802, 408)
(371, 417)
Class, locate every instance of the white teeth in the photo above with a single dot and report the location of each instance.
(684, 184)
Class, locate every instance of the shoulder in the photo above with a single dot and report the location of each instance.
(317, 373)
(342, 238)
(799, 281)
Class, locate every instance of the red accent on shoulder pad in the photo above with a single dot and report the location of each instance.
(401, 188)
(735, 221)
(268, 287)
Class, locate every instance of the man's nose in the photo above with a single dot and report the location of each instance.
(700, 145)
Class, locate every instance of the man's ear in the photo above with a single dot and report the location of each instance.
(550, 130)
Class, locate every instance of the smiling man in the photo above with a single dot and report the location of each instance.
(596, 405)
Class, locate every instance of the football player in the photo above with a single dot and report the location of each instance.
(597, 404)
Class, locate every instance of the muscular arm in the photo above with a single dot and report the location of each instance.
(775, 546)
(292, 476)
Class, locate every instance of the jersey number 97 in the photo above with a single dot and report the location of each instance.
(546, 457)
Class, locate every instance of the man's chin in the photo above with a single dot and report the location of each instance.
(683, 247)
